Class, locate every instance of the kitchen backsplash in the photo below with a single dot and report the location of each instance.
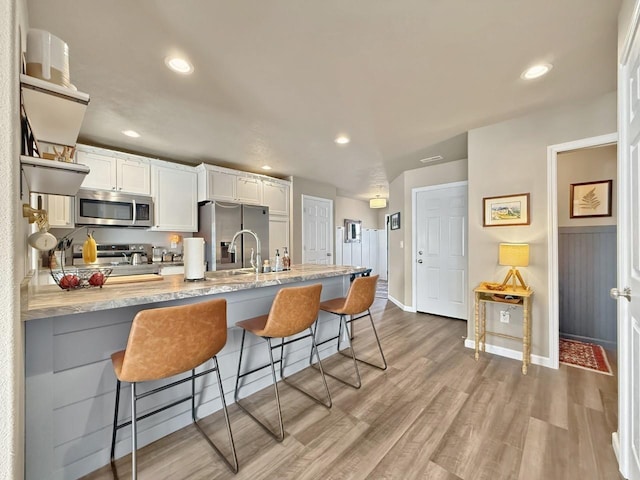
(123, 235)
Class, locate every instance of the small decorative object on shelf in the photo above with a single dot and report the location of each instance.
(73, 278)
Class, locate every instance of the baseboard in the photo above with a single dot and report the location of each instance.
(607, 345)
(615, 443)
(509, 353)
(401, 306)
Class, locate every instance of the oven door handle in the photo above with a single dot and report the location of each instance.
(134, 212)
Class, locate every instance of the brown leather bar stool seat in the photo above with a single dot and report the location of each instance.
(293, 311)
(164, 342)
(358, 301)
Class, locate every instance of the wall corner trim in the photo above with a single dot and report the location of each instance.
(401, 306)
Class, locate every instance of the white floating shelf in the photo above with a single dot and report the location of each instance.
(54, 113)
(50, 176)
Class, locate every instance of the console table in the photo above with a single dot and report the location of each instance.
(517, 297)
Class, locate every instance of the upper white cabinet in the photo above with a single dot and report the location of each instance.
(249, 190)
(220, 186)
(115, 171)
(219, 183)
(174, 190)
(276, 197)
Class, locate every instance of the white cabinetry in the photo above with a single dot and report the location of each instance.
(174, 191)
(115, 171)
(59, 209)
(218, 183)
(276, 197)
(248, 190)
(278, 233)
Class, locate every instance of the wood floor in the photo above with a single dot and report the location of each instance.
(435, 413)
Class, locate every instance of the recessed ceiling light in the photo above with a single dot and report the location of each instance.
(266, 167)
(131, 133)
(435, 158)
(178, 64)
(536, 71)
(342, 140)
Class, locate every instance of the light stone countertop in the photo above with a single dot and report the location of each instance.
(51, 301)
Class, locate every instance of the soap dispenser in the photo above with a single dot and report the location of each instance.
(277, 267)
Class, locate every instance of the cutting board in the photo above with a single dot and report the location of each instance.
(149, 277)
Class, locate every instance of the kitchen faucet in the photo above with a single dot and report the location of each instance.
(232, 248)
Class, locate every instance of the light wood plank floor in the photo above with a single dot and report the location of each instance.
(436, 413)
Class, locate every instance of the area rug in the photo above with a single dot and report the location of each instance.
(588, 356)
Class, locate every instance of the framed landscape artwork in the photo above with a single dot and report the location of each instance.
(506, 210)
(591, 199)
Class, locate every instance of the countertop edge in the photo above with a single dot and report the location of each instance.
(173, 288)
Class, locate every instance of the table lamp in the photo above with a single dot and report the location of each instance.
(514, 255)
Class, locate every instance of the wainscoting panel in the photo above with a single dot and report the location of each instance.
(587, 271)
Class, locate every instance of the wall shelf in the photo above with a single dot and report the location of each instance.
(50, 176)
(54, 113)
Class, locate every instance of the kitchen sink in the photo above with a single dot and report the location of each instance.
(228, 273)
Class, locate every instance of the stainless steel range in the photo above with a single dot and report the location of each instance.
(123, 259)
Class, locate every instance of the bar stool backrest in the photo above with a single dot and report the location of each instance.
(293, 310)
(361, 295)
(171, 340)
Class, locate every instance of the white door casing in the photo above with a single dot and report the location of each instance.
(627, 439)
(440, 250)
(317, 234)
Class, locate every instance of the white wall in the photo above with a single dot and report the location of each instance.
(511, 157)
(13, 17)
(355, 210)
(586, 165)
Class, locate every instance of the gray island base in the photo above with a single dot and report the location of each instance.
(70, 385)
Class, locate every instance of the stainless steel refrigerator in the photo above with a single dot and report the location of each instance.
(219, 221)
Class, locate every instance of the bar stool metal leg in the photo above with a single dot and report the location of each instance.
(279, 437)
(233, 466)
(134, 434)
(314, 347)
(375, 332)
(271, 364)
(115, 422)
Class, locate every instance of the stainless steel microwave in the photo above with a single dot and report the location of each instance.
(112, 209)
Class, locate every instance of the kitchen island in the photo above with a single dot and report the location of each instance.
(70, 336)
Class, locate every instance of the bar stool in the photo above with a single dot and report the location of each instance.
(168, 341)
(294, 310)
(358, 301)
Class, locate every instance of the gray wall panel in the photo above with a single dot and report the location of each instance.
(587, 270)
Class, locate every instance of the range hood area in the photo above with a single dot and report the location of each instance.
(54, 115)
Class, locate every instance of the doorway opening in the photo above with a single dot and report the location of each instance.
(559, 192)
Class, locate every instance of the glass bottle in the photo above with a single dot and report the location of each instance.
(286, 261)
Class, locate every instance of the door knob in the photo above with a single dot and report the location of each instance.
(615, 293)
(420, 261)
(419, 252)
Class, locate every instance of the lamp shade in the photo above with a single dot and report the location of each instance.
(377, 202)
(514, 254)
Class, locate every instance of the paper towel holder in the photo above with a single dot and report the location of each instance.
(188, 253)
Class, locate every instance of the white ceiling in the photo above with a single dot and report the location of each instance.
(276, 80)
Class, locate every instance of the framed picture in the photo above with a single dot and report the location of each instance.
(591, 199)
(395, 221)
(507, 210)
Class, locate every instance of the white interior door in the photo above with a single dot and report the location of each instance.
(629, 257)
(441, 250)
(317, 235)
(382, 254)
